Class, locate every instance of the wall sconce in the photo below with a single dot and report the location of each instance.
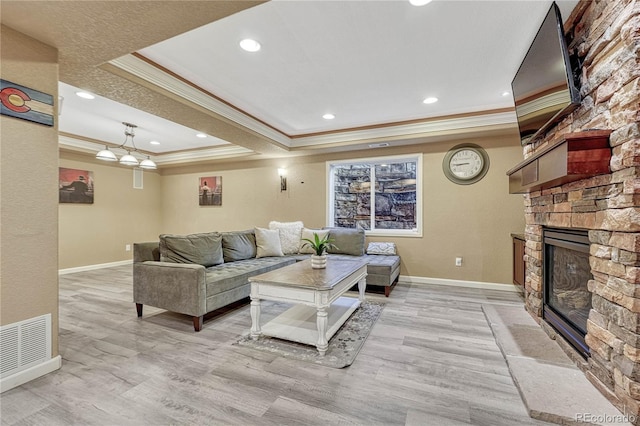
(283, 179)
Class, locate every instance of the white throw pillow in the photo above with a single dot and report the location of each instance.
(382, 248)
(290, 233)
(308, 234)
(268, 243)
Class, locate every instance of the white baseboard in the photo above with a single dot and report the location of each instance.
(93, 267)
(29, 374)
(458, 283)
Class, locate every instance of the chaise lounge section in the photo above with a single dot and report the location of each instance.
(198, 273)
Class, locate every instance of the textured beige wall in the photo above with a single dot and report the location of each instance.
(251, 197)
(28, 197)
(98, 233)
(472, 221)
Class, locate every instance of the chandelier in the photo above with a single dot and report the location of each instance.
(128, 159)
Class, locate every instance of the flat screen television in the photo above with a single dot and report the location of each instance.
(546, 87)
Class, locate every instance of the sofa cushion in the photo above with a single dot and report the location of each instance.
(308, 235)
(382, 265)
(298, 257)
(347, 241)
(203, 249)
(382, 270)
(290, 233)
(268, 243)
(238, 245)
(230, 275)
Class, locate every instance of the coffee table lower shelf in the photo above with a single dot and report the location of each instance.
(319, 309)
(298, 323)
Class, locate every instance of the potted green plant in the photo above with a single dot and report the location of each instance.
(319, 247)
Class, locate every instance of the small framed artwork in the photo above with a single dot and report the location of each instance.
(210, 191)
(75, 186)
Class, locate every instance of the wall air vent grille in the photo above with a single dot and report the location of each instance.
(9, 350)
(137, 179)
(24, 344)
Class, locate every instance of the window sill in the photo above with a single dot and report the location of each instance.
(393, 233)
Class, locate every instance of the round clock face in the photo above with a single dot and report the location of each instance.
(465, 164)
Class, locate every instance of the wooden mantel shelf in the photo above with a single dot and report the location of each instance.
(577, 156)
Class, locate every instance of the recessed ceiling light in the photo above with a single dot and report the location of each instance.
(419, 2)
(154, 143)
(329, 116)
(85, 95)
(201, 135)
(506, 93)
(250, 45)
(430, 100)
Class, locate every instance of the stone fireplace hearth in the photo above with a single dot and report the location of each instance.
(606, 37)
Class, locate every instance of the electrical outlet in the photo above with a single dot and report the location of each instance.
(458, 261)
(127, 247)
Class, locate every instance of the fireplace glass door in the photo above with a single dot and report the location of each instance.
(567, 300)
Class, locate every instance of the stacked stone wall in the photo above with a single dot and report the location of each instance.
(395, 196)
(607, 39)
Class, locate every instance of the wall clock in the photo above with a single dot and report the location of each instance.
(465, 164)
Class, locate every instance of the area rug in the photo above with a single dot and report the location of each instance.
(343, 346)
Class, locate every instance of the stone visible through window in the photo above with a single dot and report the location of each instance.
(380, 196)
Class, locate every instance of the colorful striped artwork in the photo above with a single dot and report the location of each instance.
(21, 102)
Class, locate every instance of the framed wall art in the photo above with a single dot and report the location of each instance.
(210, 191)
(75, 186)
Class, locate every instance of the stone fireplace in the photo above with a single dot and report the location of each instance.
(606, 37)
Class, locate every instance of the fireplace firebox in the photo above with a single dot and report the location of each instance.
(567, 299)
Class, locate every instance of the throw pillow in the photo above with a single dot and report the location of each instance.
(268, 243)
(238, 245)
(308, 234)
(387, 249)
(203, 249)
(347, 240)
(290, 233)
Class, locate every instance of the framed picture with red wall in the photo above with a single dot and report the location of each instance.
(75, 186)
(210, 191)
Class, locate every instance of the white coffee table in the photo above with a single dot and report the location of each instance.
(319, 310)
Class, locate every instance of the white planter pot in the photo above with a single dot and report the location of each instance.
(318, 262)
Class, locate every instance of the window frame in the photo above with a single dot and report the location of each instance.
(330, 195)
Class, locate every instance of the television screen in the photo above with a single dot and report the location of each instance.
(544, 88)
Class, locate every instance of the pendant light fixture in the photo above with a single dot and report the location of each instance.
(128, 159)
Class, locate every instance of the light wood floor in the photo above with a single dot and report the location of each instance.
(430, 360)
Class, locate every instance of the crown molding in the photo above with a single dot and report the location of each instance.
(215, 153)
(202, 155)
(551, 100)
(77, 144)
(412, 130)
(159, 77)
(144, 70)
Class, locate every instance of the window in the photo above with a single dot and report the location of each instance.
(380, 195)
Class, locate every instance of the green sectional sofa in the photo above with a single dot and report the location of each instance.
(198, 273)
